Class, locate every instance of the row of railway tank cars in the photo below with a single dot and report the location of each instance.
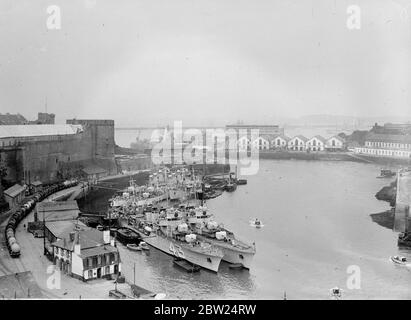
(26, 207)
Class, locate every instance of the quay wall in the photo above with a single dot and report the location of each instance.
(302, 155)
(403, 200)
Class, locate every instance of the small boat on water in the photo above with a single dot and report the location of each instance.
(134, 247)
(230, 187)
(386, 173)
(399, 260)
(187, 266)
(336, 293)
(127, 236)
(256, 223)
(144, 246)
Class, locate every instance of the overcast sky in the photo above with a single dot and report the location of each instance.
(149, 62)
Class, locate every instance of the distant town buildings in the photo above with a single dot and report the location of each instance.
(12, 119)
(297, 143)
(389, 141)
(272, 137)
(392, 128)
(18, 119)
(386, 145)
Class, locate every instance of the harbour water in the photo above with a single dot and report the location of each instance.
(317, 224)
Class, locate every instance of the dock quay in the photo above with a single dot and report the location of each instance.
(403, 200)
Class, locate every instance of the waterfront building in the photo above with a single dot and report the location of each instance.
(392, 128)
(243, 143)
(386, 145)
(280, 142)
(297, 143)
(335, 143)
(87, 254)
(36, 186)
(94, 173)
(14, 195)
(316, 143)
(261, 143)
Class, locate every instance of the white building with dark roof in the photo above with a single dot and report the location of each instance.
(87, 254)
(261, 143)
(335, 143)
(297, 143)
(316, 143)
(280, 142)
(243, 143)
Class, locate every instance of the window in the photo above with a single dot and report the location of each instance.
(90, 274)
(107, 270)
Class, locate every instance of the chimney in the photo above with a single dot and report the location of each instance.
(77, 247)
(106, 236)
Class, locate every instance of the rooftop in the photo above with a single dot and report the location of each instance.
(282, 136)
(90, 252)
(58, 210)
(396, 138)
(318, 137)
(36, 130)
(47, 206)
(93, 169)
(62, 229)
(14, 190)
(88, 239)
(301, 137)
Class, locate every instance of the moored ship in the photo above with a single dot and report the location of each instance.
(167, 231)
(235, 251)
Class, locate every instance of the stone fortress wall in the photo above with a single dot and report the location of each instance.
(44, 157)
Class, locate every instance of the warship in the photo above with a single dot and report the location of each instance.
(166, 230)
(202, 223)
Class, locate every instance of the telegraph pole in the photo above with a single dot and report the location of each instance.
(44, 234)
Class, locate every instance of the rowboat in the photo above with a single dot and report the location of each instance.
(134, 247)
(399, 260)
(143, 246)
(256, 223)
